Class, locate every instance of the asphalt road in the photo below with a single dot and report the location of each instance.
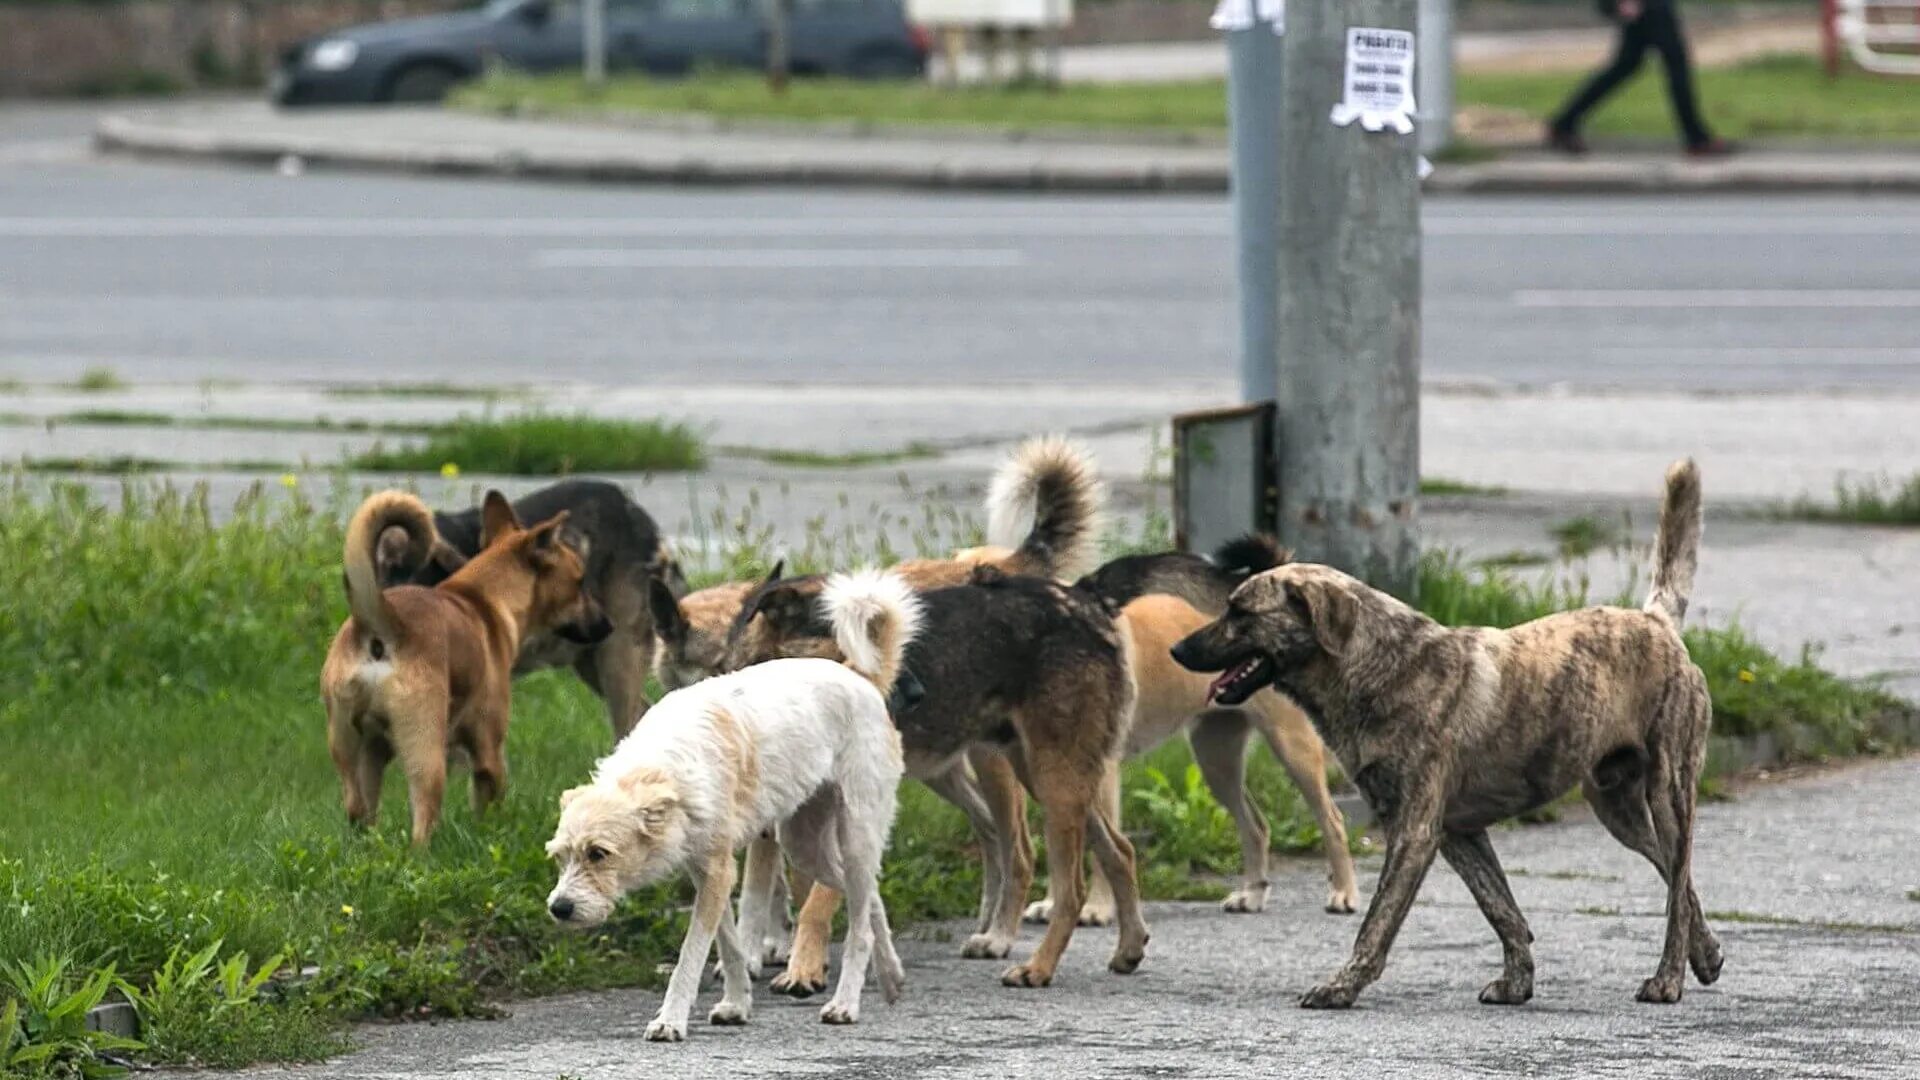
(181, 273)
(1805, 884)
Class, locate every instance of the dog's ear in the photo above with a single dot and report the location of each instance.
(572, 793)
(393, 556)
(544, 541)
(654, 801)
(774, 574)
(447, 557)
(496, 519)
(786, 608)
(668, 621)
(1331, 611)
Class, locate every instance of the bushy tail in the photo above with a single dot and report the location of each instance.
(1053, 483)
(383, 511)
(874, 615)
(1676, 551)
(1251, 554)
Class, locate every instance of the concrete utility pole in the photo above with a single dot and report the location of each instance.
(1348, 424)
(1254, 87)
(779, 57)
(593, 35)
(1435, 75)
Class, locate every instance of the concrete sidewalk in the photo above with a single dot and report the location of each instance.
(696, 151)
(1805, 882)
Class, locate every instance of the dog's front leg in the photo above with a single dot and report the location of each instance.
(713, 887)
(1412, 843)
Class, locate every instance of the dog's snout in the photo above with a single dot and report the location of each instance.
(561, 909)
(1184, 654)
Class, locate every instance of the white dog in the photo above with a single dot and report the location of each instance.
(802, 746)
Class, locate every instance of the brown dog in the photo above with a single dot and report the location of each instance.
(423, 673)
(1450, 730)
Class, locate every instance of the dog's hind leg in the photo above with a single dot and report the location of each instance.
(713, 887)
(856, 870)
(1115, 855)
(736, 979)
(1006, 801)
(1098, 909)
(1291, 736)
(1219, 742)
(958, 785)
(361, 762)
(1472, 857)
(763, 871)
(622, 662)
(422, 747)
(807, 837)
(1673, 775)
(1067, 790)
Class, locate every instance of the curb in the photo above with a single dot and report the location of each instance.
(130, 135)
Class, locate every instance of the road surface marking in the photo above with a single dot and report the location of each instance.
(778, 259)
(1717, 298)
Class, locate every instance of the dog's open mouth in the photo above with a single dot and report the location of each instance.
(1239, 682)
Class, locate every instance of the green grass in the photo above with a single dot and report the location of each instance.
(137, 418)
(1198, 106)
(135, 465)
(813, 459)
(1581, 536)
(1869, 501)
(1780, 96)
(1769, 97)
(433, 390)
(1440, 485)
(545, 444)
(99, 380)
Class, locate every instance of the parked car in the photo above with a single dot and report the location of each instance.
(420, 59)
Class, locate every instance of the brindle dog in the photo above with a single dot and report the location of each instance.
(1447, 731)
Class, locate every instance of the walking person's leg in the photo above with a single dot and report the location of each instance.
(1564, 131)
(1664, 33)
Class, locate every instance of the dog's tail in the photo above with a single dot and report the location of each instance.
(874, 615)
(1676, 551)
(1054, 484)
(382, 511)
(1254, 553)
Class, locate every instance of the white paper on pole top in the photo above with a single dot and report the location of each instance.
(1378, 89)
(1243, 14)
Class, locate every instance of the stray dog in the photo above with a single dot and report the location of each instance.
(801, 746)
(1163, 598)
(1448, 731)
(623, 552)
(423, 672)
(1026, 667)
(1044, 508)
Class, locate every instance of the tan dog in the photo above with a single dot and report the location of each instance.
(1451, 730)
(424, 673)
(1174, 701)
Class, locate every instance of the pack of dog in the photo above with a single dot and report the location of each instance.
(796, 705)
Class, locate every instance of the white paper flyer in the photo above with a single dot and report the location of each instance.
(1378, 90)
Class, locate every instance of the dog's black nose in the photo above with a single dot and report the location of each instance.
(1182, 653)
(562, 909)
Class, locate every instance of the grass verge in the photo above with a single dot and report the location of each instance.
(178, 823)
(813, 459)
(1869, 501)
(1777, 96)
(545, 444)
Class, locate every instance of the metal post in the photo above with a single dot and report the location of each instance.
(1253, 124)
(1434, 72)
(1348, 425)
(593, 34)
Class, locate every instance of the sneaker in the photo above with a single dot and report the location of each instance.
(1566, 142)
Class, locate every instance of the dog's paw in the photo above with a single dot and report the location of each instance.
(1658, 991)
(835, 1013)
(1126, 961)
(727, 1014)
(1025, 975)
(1329, 996)
(666, 1031)
(1343, 901)
(1101, 915)
(1038, 912)
(1707, 962)
(985, 947)
(774, 954)
(893, 982)
(1246, 900)
(1506, 992)
(798, 984)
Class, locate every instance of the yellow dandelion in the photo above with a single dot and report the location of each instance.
(450, 470)
(347, 910)
(289, 481)
(1746, 675)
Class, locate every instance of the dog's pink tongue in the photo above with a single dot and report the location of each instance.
(1220, 682)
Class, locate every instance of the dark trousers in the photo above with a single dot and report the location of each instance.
(1658, 27)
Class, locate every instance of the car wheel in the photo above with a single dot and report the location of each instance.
(884, 64)
(422, 83)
